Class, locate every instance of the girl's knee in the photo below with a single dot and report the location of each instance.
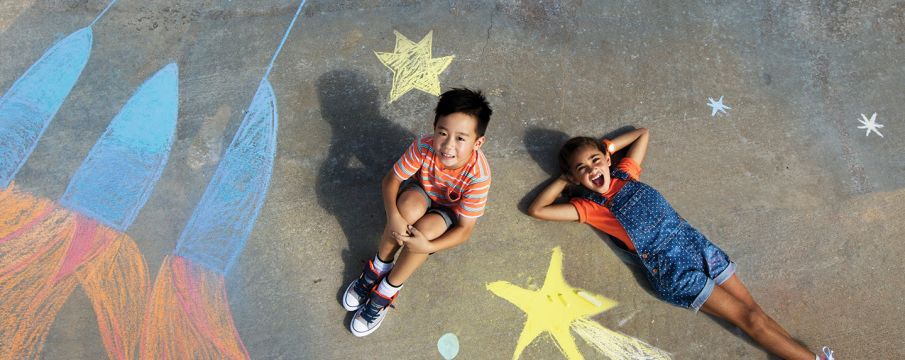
(755, 320)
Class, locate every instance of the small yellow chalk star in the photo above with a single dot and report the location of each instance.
(413, 67)
(553, 308)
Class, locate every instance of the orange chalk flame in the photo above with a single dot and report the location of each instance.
(117, 283)
(34, 239)
(46, 251)
(188, 315)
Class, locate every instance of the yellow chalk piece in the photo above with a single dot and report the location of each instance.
(547, 315)
(589, 298)
(413, 67)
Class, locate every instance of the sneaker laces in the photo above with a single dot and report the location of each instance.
(362, 287)
(372, 311)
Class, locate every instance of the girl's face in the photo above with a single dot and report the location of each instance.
(589, 167)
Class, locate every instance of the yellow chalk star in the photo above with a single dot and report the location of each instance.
(413, 67)
(553, 308)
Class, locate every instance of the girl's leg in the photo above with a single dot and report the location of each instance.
(736, 288)
(412, 206)
(755, 323)
(432, 226)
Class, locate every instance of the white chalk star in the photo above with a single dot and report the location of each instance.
(870, 125)
(717, 106)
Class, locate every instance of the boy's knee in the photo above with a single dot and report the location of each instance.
(411, 206)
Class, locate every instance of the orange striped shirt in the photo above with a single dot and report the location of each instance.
(464, 189)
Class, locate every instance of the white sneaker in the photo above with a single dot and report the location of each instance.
(369, 317)
(358, 290)
(827, 354)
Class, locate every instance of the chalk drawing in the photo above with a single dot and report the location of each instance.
(33, 100)
(46, 249)
(717, 106)
(119, 174)
(558, 308)
(870, 125)
(53, 249)
(215, 234)
(31, 103)
(188, 314)
(413, 67)
(615, 345)
(448, 345)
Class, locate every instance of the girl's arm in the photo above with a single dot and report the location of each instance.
(638, 140)
(543, 207)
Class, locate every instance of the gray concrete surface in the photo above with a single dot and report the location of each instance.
(807, 205)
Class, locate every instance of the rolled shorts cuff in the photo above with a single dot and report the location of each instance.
(725, 274)
(708, 287)
(702, 296)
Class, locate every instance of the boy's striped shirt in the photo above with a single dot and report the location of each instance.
(464, 189)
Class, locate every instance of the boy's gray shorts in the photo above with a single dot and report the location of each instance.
(448, 215)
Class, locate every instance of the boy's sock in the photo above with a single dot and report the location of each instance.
(387, 289)
(380, 266)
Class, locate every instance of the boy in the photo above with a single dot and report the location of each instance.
(436, 210)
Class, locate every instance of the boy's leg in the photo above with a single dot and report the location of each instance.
(737, 289)
(432, 226)
(755, 323)
(412, 205)
(371, 315)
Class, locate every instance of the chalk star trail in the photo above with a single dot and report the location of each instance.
(558, 307)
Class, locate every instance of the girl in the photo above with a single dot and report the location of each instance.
(683, 267)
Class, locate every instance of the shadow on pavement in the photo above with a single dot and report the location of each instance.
(363, 148)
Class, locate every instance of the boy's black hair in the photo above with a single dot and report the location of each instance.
(571, 146)
(465, 101)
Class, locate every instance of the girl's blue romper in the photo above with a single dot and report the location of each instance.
(680, 263)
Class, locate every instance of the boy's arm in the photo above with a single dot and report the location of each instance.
(390, 189)
(543, 207)
(638, 139)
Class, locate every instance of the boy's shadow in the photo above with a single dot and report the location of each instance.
(543, 146)
(363, 148)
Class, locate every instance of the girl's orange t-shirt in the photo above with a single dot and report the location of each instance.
(602, 218)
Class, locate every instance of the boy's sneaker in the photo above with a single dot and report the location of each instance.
(826, 354)
(358, 290)
(368, 317)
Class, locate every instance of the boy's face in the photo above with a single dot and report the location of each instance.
(455, 138)
(590, 168)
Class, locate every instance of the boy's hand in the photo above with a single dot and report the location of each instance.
(415, 241)
(397, 225)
